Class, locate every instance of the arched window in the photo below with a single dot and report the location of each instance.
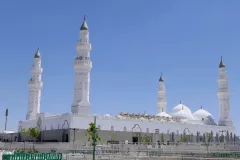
(125, 129)
(112, 128)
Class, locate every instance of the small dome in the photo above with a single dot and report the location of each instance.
(181, 107)
(163, 114)
(182, 111)
(201, 113)
(120, 117)
(142, 118)
(107, 115)
(181, 114)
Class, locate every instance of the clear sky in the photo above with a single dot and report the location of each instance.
(132, 43)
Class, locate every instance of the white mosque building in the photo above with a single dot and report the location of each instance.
(180, 120)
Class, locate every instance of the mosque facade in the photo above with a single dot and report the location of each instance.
(180, 121)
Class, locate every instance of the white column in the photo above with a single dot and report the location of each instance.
(223, 97)
(35, 85)
(82, 68)
(162, 102)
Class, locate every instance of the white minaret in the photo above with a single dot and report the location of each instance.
(35, 85)
(82, 68)
(223, 97)
(162, 102)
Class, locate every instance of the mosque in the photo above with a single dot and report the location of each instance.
(130, 127)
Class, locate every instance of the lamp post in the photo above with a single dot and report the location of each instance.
(94, 138)
(74, 134)
(6, 115)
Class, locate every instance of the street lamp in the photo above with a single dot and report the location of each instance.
(6, 115)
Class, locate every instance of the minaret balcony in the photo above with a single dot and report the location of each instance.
(35, 84)
(223, 90)
(85, 46)
(161, 91)
(83, 62)
(162, 101)
(36, 70)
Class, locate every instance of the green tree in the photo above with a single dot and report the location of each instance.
(113, 137)
(25, 134)
(146, 139)
(34, 133)
(184, 139)
(90, 134)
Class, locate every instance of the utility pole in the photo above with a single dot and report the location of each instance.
(94, 138)
(6, 115)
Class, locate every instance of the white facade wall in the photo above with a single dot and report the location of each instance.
(115, 124)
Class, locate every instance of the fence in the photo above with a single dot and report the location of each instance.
(75, 147)
(162, 157)
(126, 155)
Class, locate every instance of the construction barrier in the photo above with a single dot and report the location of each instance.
(32, 156)
(229, 154)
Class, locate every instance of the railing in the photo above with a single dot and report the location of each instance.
(159, 157)
(121, 148)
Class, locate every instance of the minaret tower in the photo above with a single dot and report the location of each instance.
(223, 97)
(162, 102)
(82, 68)
(35, 85)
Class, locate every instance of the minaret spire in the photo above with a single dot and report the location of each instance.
(221, 65)
(35, 85)
(84, 25)
(161, 78)
(223, 97)
(37, 54)
(162, 102)
(82, 68)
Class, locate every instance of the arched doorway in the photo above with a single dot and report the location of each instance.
(136, 134)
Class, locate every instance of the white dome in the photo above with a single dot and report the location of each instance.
(201, 114)
(204, 116)
(183, 114)
(107, 115)
(120, 117)
(96, 115)
(181, 107)
(142, 118)
(182, 111)
(163, 114)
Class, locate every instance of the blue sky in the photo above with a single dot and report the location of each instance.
(132, 43)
